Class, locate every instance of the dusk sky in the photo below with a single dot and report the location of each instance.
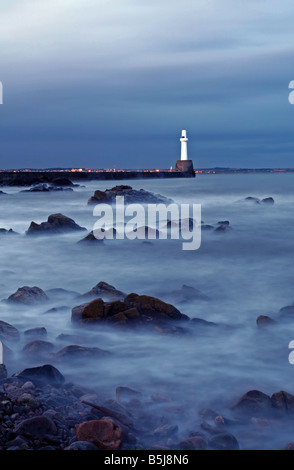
(111, 83)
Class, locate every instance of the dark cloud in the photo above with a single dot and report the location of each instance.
(112, 83)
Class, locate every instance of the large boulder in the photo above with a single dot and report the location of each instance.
(42, 375)
(134, 309)
(103, 433)
(130, 196)
(253, 403)
(56, 223)
(36, 426)
(28, 295)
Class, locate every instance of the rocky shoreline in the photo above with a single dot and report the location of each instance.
(41, 410)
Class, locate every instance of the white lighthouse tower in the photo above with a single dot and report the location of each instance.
(184, 165)
(184, 145)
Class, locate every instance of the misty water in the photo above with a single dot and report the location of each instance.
(245, 272)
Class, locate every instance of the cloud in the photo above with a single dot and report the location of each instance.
(86, 69)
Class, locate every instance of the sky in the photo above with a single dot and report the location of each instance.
(111, 83)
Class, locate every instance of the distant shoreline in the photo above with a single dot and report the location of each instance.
(27, 177)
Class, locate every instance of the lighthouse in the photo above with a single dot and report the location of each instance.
(184, 165)
(184, 145)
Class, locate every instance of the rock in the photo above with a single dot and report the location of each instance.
(56, 223)
(36, 332)
(200, 322)
(90, 238)
(74, 352)
(207, 227)
(103, 433)
(4, 231)
(125, 394)
(153, 307)
(224, 222)
(36, 426)
(283, 401)
(28, 401)
(135, 309)
(2, 192)
(44, 187)
(251, 199)
(253, 403)
(8, 332)
(38, 346)
(28, 295)
(287, 312)
(3, 371)
(268, 200)
(224, 441)
(42, 375)
(264, 320)
(189, 293)
(81, 445)
(105, 291)
(165, 431)
(222, 227)
(130, 196)
(192, 443)
(59, 293)
(62, 181)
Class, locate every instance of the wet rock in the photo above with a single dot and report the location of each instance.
(268, 200)
(192, 443)
(224, 441)
(251, 199)
(36, 426)
(82, 445)
(135, 309)
(287, 312)
(74, 352)
(125, 394)
(165, 431)
(103, 433)
(208, 414)
(8, 332)
(62, 181)
(199, 322)
(4, 231)
(36, 332)
(207, 227)
(44, 187)
(38, 346)
(186, 294)
(90, 238)
(3, 371)
(222, 227)
(60, 294)
(28, 401)
(28, 295)
(105, 291)
(42, 375)
(153, 307)
(283, 401)
(253, 403)
(264, 321)
(56, 224)
(130, 196)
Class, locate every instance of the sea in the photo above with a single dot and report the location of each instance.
(243, 272)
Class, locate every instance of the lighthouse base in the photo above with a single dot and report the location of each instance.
(185, 166)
